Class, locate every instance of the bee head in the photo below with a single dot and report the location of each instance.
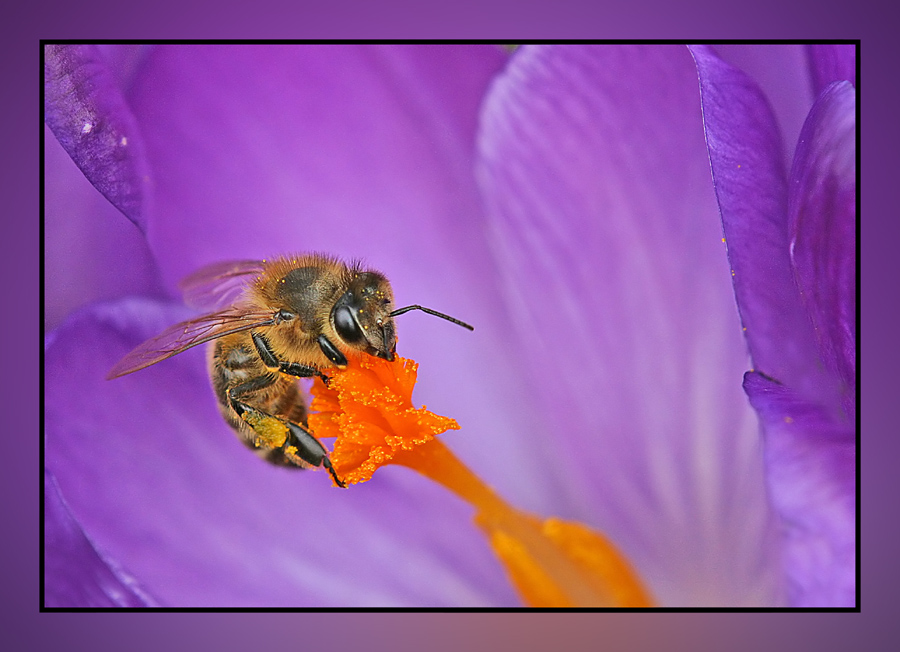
(362, 318)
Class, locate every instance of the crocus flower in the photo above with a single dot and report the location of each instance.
(560, 199)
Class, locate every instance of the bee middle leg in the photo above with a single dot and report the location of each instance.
(264, 349)
(292, 440)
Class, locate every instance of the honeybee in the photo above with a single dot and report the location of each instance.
(273, 322)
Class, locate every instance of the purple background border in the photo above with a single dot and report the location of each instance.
(26, 628)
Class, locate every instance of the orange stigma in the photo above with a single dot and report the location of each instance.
(368, 409)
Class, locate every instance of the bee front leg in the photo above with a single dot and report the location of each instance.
(332, 352)
(294, 441)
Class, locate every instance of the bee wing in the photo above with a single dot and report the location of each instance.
(187, 334)
(220, 284)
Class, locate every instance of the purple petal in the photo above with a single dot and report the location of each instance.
(84, 108)
(90, 252)
(830, 63)
(823, 231)
(596, 179)
(745, 153)
(75, 574)
(811, 465)
(782, 73)
(156, 479)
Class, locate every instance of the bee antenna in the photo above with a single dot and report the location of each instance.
(400, 311)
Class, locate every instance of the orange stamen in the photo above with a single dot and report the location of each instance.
(552, 563)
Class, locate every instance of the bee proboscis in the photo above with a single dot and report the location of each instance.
(272, 322)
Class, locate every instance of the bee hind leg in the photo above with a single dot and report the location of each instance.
(300, 443)
(295, 443)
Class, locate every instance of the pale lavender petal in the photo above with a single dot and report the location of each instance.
(745, 153)
(359, 151)
(157, 480)
(596, 178)
(84, 107)
(363, 151)
(823, 231)
(811, 468)
(75, 573)
(830, 63)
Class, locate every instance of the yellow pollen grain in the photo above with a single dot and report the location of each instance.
(270, 432)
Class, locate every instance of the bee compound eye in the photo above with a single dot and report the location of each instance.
(346, 326)
(283, 315)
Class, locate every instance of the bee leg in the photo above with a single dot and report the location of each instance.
(326, 462)
(309, 449)
(291, 368)
(332, 352)
(302, 371)
(295, 442)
